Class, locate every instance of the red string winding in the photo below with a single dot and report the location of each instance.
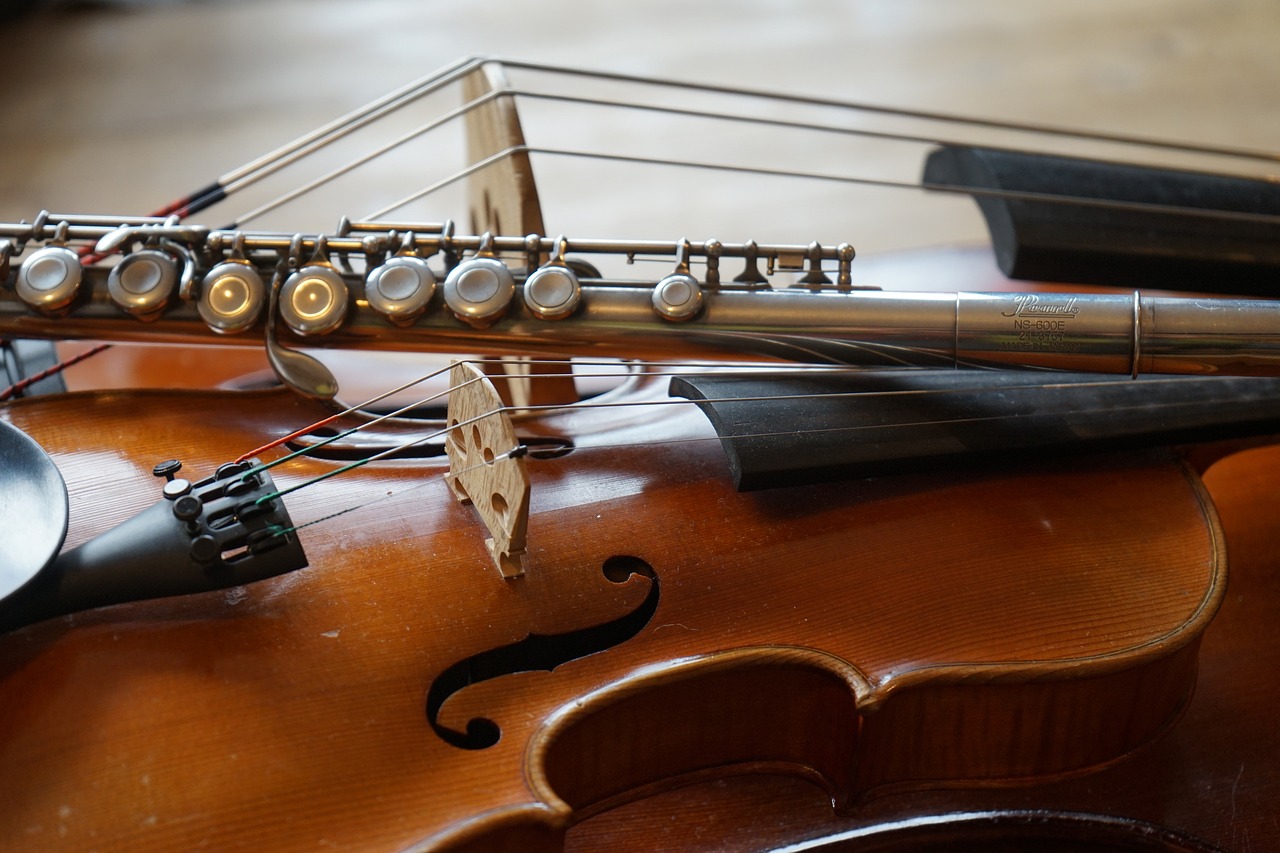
(17, 388)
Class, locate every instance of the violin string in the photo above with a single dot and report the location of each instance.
(679, 371)
(347, 411)
(310, 449)
(702, 115)
(876, 109)
(273, 161)
(894, 425)
(360, 463)
(676, 369)
(400, 448)
(21, 385)
(353, 121)
(370, 155)
(518, 450)
(521, 449)
(269, 164)
(883, 183)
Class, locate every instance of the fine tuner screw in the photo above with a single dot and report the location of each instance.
(174, 489)
(167, 469)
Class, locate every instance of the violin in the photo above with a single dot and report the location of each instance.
(645, 655)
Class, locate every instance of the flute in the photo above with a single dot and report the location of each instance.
(421, 287)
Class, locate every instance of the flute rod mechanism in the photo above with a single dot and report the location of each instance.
(1131, 334)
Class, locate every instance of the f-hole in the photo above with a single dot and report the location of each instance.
(538, 652)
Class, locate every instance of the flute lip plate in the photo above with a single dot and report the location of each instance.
(33, 509)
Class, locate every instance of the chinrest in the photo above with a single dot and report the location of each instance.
(33, 509)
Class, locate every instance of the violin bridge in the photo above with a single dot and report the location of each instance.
(483, 470)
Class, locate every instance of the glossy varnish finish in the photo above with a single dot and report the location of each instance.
(1211, 777)
(872, 637)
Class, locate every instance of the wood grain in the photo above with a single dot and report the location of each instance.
(866, 636)
(1212, 776)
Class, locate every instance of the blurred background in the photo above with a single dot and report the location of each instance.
(119, 107)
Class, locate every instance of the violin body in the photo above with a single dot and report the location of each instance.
(1209, 783)
(885, 642)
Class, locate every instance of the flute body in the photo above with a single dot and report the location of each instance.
(488, 306)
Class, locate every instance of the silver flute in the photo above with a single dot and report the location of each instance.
(421, 287)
